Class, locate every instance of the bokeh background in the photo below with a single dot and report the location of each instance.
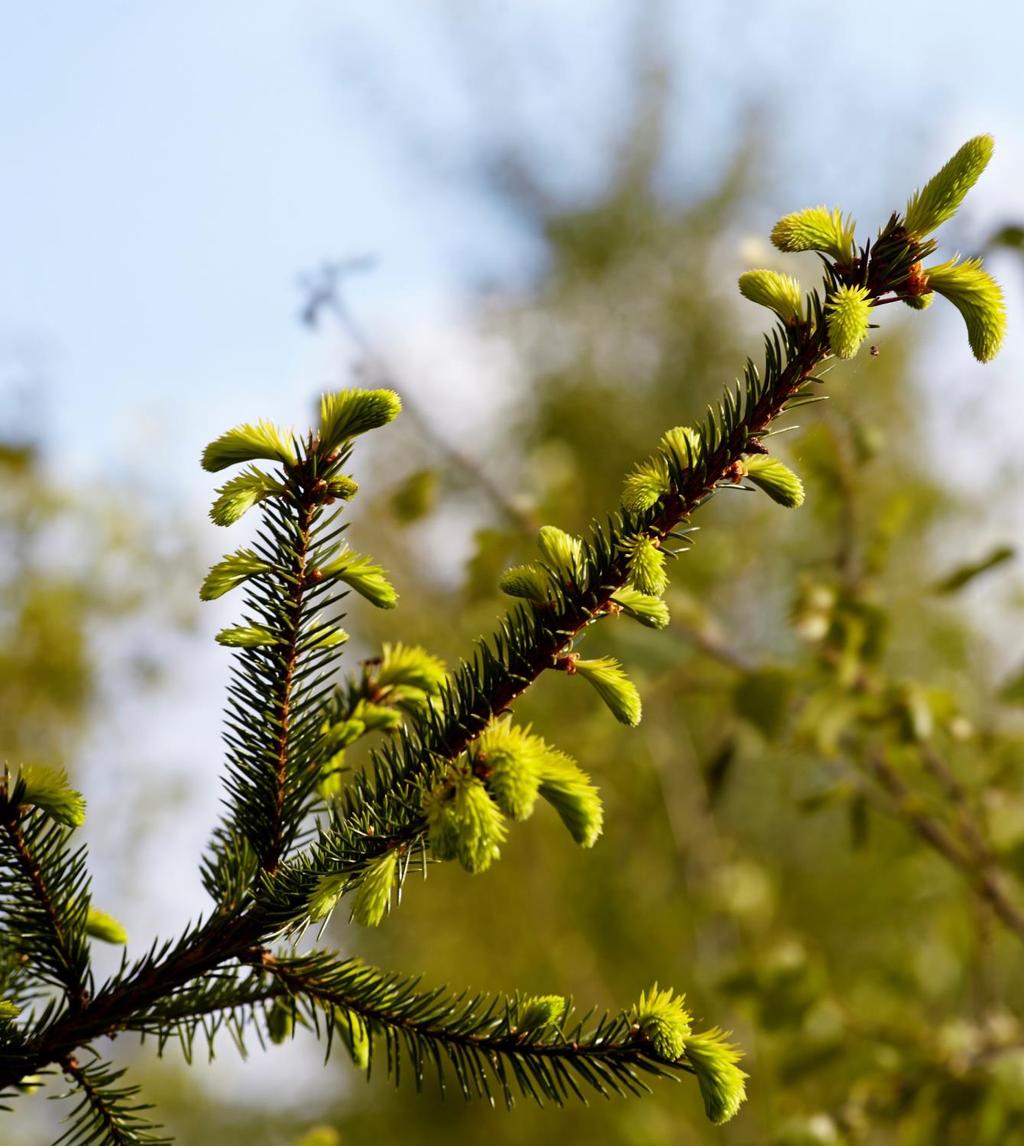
(529, 218)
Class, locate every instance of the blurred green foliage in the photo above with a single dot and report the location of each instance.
(75, 562)
(46, 679)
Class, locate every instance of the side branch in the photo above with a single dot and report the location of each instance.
(107, 1112)
(111, 1010)
(37, 911)
(557, 630)
(285, 895)
(528, 644)
(384, 812)
(479, 1037)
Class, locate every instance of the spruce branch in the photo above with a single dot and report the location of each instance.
(382, 809)
(168, 970)
(226, 998)
(283, 692)
(490, 1044)
(431, 791)
(106, 1112)
(294, 575)
(44, 900)
(583, 577)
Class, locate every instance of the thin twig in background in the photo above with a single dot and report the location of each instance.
(325, 294)
(983, 878)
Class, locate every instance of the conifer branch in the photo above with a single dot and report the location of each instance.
(166, 970)
(281, 671)
(225, 998)
(481, 1039)
(106, 1112)
(45, 901)
(442, 786)
(381, 811)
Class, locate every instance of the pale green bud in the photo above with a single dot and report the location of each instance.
(618, 692)
(940, 198)
(102, 926)
(248, 443)
(648, 482)
(646, 566)
(237, 496)
(537, 1013)
(341, 487)
(514, 787)
(777, 480)
(235, 569)
(331, 782)
(372, 900)
(47, 788)
(363, 575)
(341, 733)
(978, 297)
(511, 758)
(442, 829)
(848, 313)
(649, 611)
(464, 823)
(780, 293)
(247, 637)
(480, 826)
(329, 889)
(410, 666)
(8, 1011)
(348, 413)
(567, 788)
(683, 444)
(377, 717)
(920, 301)
(715, 1063)
(663, 1020)
(527, 582)
(816, 229)
(562, 552)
